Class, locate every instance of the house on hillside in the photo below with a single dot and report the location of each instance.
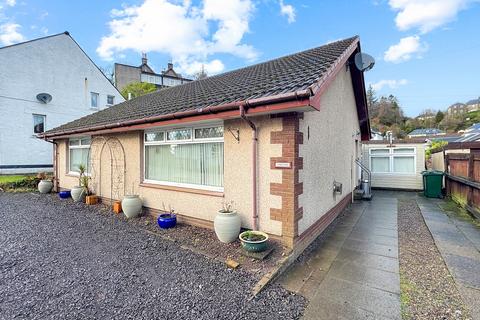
(275, 138)
(45, 82)
(473, 105)
(126, 74)
(457, 109)
(428, 132)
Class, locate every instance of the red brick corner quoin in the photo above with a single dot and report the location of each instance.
(290, 138)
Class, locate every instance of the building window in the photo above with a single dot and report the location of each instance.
(393, 160)
(185, 157)
(110, 100)
(93, 100)
(39, 123)
(79, 150)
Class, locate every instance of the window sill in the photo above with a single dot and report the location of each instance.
(182, 189)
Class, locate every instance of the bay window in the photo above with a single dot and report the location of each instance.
(185, 157)
(79, 150)
(393, 160)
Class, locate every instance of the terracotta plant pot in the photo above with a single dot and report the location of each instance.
(131, 206)
(117, 207)
(92, 199)
(45, 186)
(254, 241)
(78, 194)
(227, 226)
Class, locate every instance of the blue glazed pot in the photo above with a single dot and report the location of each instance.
(167, 220)
(64, 194)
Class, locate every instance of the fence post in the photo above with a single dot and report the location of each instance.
(471, 178)
(447, 171)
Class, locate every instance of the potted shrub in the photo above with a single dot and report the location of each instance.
(131, 205)
(227, 223)
(89, 197)
(78, 192)
(45, 185)
(167, 220)
(254, 241)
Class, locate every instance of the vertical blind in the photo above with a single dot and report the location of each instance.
(195, 160)
(199, 163)
(78, 157)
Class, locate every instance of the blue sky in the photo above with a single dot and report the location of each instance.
(426, 51)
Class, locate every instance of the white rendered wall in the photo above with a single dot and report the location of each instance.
(328, 150)
(55, 65)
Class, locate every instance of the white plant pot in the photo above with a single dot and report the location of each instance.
(78, 193)
(227, 226)
(131, 206)
(45, 186)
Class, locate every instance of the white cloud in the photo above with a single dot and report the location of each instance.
(392, 84)
(407, 48)
(181, 30)
(426, 15)
(287, 10)
(11, 3)
(9, 34)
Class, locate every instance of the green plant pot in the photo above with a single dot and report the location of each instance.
(254, 245)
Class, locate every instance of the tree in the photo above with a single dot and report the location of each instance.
(439, 117)
(108, 72)
(202, 74)
(138, 89)
(372, 101)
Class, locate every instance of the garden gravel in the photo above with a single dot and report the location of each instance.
(428, 289)
(65, 260)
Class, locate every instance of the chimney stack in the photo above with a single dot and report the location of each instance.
(170, 66)
(144, 58)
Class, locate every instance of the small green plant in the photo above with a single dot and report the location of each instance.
(81, 171)
(433, 146)
(252, 236)
(84, 183)
(227, 207)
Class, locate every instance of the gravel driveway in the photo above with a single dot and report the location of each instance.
(65, 260)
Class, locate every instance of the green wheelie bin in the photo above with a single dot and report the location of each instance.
(432, 183)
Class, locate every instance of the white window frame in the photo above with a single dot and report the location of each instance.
(80, 146)
(391, 155)
(44, 122)
(98, 100)
(192, 140)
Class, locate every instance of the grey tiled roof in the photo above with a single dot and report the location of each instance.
(288, 74)
(427, 131)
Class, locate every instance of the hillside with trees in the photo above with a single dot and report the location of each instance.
(386, 114)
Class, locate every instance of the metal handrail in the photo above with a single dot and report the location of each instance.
(368, 172)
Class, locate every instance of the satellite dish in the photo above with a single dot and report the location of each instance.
(44, 97)
(364, 62)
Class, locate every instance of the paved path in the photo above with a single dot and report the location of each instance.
(354, 274)
(459, 244)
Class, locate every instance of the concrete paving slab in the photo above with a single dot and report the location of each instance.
(376, 301)
(465, 269)
(369, 260)
(373, 248)
(370, 277)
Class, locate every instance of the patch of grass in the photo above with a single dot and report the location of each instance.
(11, 178)
(454, 209)
(407, 289)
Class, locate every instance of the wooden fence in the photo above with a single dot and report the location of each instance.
(462, 173)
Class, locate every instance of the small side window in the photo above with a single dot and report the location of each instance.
(93, 100)
(110, 100)
(39, 123)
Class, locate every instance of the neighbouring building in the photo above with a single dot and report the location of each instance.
(43, 83)
(457, 109)
(126, 74)
(473, 105)
(376, 135)
(428, 132)
(396, 165)
(275, 138)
